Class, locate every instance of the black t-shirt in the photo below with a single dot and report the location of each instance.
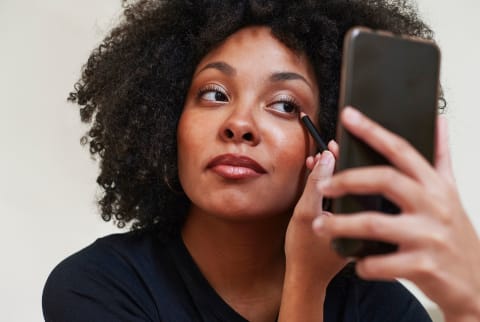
(132, 277)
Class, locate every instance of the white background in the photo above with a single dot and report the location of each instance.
(47, 180)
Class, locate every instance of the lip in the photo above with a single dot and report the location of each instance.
(232, 166)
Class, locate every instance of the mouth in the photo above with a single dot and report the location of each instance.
(231, 166)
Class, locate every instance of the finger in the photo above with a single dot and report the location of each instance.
(393, 147)
(323, 168)
(408, 265)
(333, 147)
(312, 197)
(387, 181)
(310, 162)
(443, 162)
(371, 225)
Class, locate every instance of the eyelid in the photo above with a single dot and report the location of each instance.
(286, 98)
(283, 98)
(212, 87)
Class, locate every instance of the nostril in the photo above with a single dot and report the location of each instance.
(248, 136)
(229, 133)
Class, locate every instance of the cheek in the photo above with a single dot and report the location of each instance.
(290, 170)
(296, 142)
(195, 130)
(292, 149)
(186, 145)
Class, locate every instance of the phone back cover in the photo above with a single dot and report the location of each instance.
(394, 81)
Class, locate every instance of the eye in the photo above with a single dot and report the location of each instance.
(285, 105)
(213, 93)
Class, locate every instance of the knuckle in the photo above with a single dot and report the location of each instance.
(438, 239)
(400, 145)
(366, 269)
(424, 267)
(372, 226)
(387, 175)
(443, 213)
(315, 184)
(445, 217)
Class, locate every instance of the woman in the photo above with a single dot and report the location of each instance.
(195, 118)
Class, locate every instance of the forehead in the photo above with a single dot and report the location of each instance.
(257, 47)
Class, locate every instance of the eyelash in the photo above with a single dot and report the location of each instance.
(281, 99)
(212, 88)
(288, 100)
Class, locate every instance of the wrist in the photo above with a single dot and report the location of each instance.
(302, 297)
(311, 280)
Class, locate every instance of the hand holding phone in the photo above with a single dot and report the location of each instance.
(393, 80)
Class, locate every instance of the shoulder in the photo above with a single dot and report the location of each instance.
(110, 255)
(364, 300)
(104, 281)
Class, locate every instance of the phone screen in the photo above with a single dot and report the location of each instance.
(393, 80)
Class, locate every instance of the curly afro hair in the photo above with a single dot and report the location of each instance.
(133, 87)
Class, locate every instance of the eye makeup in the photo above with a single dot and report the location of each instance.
(215, 93)
(313, 132)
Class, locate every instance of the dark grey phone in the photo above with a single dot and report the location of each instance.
(394, 80)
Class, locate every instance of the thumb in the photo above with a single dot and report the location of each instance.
(322, 171)
(323, 168)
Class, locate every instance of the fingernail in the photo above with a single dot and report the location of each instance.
(326, 158)
(351, 115)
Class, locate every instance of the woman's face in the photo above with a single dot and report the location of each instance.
(241, 146)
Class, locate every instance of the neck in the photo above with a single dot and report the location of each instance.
(244, 261)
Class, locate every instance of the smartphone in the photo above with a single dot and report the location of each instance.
(393, 80)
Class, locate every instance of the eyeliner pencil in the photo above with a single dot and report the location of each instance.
(313, 132)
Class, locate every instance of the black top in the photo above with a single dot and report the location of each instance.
(131, 277)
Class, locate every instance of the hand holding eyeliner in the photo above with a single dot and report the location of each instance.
(327, 202)
(313, 132)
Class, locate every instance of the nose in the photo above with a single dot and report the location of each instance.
(240, 127)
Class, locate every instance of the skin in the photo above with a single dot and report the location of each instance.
(251, 233)
(248, 231)
(442, 261)
(251, 108)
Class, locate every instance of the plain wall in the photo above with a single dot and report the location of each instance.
(47, 180)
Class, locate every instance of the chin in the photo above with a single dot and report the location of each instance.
(256, 210)
(243, 204)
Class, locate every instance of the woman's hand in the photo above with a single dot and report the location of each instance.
(303, 249)
(310, 261)
(439, 249)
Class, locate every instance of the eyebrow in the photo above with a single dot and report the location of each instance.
(275, 77)
(285, 76)
(221, 66)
